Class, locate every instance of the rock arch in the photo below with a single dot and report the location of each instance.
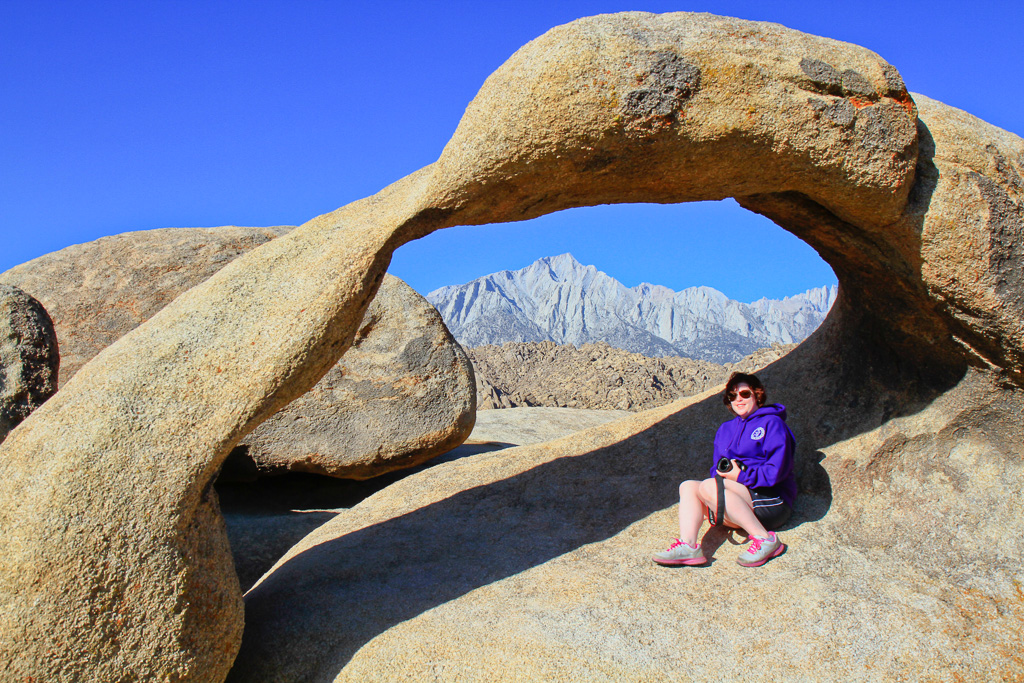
(114, 557)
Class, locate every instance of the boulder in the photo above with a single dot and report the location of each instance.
(29, 358)
(99, 291)
(906, 405)
(402, 395)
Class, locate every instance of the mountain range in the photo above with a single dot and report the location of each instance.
(559, 299)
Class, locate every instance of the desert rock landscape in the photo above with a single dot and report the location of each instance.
(596, 376)
(533, 562)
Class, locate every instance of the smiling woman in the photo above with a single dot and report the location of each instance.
(753, 482)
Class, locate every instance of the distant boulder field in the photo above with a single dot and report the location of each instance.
(596, 376)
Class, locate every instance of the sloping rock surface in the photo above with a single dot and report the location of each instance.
(113, 557)
(539, 556)
(267, 517)
(558, 299)
(29, 358)
(595, 376)
(402, 395)
(526, 426)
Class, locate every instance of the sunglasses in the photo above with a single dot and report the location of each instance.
(742, 393)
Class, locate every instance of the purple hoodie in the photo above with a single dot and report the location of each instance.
(763, 443)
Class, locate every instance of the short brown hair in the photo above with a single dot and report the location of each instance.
(737, 378)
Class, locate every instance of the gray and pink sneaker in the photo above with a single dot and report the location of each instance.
(761, 550)
(680, 553)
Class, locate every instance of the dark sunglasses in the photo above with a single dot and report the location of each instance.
(742, 393)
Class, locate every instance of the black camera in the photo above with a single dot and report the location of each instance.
(725, 465)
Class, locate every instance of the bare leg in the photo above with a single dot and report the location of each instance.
(691, 512)
(739, 509)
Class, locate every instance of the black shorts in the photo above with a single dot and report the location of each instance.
(770, 510)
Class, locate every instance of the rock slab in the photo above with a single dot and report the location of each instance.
(527, 426)
(99, 291)
(29, 357)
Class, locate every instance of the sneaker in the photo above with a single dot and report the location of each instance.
(680, 553)
(761, 550)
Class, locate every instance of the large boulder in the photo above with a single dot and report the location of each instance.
(99, 291)
(113, 555)
(29, 358)
(403, 394)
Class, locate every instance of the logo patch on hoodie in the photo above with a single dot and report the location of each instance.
(757, 434)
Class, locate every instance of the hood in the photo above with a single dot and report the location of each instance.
(770, 409)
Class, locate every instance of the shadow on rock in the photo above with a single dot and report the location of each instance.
(345, 590)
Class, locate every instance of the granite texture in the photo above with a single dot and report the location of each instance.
(29, 357)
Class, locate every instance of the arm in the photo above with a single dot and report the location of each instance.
(778, 453)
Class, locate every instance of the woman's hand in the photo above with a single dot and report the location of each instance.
(733, 473)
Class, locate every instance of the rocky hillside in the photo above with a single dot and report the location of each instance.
(598, 375)
(558, 299)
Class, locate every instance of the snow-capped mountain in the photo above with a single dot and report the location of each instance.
(558, 299)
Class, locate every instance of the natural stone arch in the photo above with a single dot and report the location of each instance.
(114, 556)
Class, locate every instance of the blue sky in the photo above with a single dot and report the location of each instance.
(118, 116)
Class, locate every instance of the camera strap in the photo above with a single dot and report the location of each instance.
(720, 511)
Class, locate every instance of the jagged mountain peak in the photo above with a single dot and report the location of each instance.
(559, 299)
(561, 268)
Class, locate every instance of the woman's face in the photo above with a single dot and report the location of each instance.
(745, 402)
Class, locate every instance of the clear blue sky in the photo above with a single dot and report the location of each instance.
(118, 116)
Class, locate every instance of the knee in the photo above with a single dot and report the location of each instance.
(688, 489)
(707, 490)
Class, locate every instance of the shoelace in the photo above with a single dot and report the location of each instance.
(676, 544)
(755, 544)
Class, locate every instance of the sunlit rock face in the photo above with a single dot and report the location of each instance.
(906, 404)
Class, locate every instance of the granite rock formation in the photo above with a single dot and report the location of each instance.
(907, 399)
(402, 395)
(558, 299)
(99, 291)
(29, 357)
(595, 376)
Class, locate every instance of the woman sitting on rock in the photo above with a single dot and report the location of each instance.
(754, 457)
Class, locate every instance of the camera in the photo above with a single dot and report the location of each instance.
(725, 465)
